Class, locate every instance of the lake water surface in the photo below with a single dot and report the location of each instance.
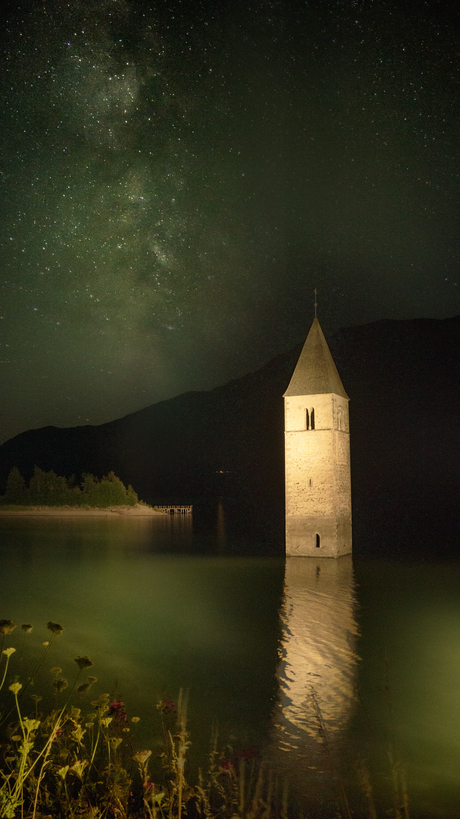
(335, 671)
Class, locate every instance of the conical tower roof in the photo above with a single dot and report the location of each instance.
(315, 372)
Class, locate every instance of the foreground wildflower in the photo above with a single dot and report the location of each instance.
(166, 707)
(149, 787)
(83, 662)
(55, 628)
(60, 684)
(7, 626)
(142, 756)
(117, 711)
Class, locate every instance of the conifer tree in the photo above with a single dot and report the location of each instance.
(15, 486)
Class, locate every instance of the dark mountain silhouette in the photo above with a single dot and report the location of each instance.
(403, 378)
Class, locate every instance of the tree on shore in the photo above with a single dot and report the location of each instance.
(15, 485)
(108, 491)
(49, 489)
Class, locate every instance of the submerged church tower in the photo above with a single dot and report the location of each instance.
(317, 455)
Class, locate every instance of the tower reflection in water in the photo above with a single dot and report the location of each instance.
(317, 670)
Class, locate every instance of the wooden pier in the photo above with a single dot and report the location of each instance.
(174, 509)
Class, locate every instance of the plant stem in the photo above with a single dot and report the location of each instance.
(6, 669)
(48, 745)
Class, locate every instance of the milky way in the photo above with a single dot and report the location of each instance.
(176, 179)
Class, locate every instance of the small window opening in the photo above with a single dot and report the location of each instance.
(318, 541)
(307, 419)
(340, 419)
(312, 418)
(309, 482)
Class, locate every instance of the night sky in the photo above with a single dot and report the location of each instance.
(177, 178)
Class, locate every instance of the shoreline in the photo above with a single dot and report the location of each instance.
(74, 511)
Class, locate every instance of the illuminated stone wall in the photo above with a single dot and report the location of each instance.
(318, 487)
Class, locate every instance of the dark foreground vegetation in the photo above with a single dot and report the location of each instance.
(49, 489)
(68, 752)
(71, 754)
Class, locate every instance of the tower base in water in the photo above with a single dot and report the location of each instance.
(317, 537)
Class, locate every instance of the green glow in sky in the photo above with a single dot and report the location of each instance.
(175, 181)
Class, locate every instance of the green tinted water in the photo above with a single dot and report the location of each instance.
(324, 666)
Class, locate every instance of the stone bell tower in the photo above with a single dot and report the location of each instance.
(317, 455)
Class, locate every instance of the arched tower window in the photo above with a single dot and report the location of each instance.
(312, 418)
(307, 419)
(340, 419)
(318, 541)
